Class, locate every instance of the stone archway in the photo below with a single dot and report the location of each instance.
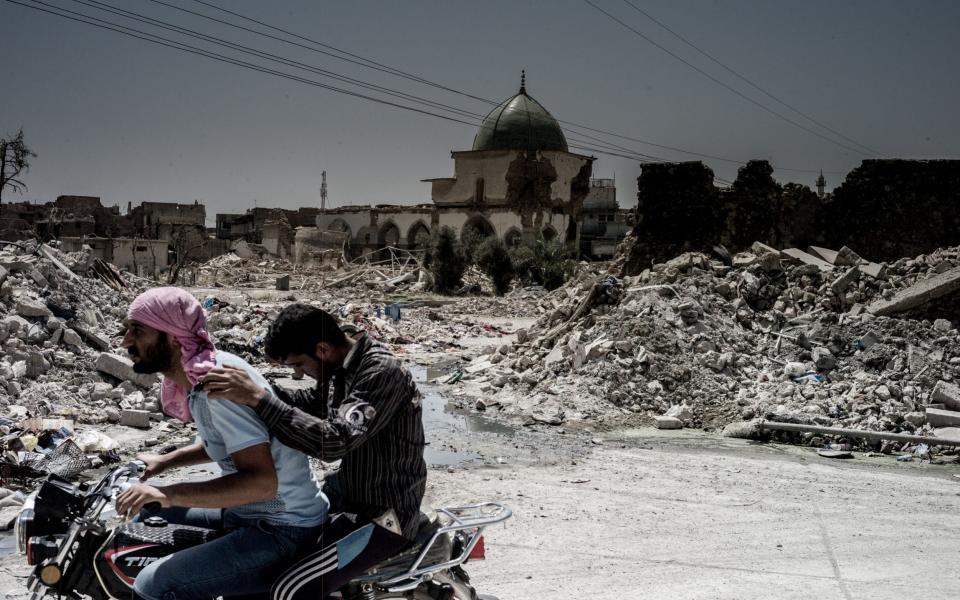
(389, 235)
(418, 236)
(513, 237)
(477, 225)
(339, 225)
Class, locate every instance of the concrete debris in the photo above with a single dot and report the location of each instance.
(947, 394)
(135, 418)
(121, 367)
(807, 259)
(55, 325)
(663, 422)
(741, 339)
(919, 294)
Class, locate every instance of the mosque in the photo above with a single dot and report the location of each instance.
(519, 181)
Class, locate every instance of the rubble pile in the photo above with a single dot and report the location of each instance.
(58, 335)
(787, 336)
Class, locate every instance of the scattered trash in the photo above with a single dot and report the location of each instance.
(810, 376)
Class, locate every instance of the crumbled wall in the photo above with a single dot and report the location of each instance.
(677, 209)
(894, 208)
(884, 210)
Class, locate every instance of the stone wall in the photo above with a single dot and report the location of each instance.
(677, 210)
(888, 209)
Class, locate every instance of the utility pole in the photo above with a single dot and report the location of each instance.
(323, 191)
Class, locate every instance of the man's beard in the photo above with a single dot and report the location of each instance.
(156, 358)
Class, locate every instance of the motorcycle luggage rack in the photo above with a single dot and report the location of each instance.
(476, 517)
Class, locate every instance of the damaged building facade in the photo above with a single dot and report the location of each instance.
(274, 229)
(146, 240)
(519, 181)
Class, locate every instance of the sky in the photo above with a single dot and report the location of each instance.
(130, 121)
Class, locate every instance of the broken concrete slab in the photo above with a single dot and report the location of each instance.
(135, 418)
(870, 338)
(555, 355)
(72, 338)
(664, 422)
(47, 253)
(121, 367)
(943, 418)
(919, 294)
(479, 365)
(947, 433)
(875, 270)
(38, 278)
(93, 338)
(805, 258)
(840, 284)
(32, 308)
(825, 253)
(759, 248)
(847, 258)
(947, 394)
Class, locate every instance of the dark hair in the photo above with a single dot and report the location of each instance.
(298, 329)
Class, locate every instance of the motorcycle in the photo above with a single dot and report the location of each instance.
(79, 547)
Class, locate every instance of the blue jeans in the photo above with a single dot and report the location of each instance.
(243, 561)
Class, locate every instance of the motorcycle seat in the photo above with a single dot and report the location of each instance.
(401, 563)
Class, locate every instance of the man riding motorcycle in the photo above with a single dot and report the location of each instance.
(372, 423)
(267, 502)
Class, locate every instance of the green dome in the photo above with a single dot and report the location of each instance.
(520, 123)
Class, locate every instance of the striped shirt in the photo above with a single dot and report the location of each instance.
(373, 424)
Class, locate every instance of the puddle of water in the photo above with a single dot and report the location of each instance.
(438, 415)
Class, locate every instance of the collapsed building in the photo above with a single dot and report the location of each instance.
(147, 240)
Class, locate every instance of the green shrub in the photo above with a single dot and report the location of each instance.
(445, 261)
(470, 241)
(543, 262)
(493, 259)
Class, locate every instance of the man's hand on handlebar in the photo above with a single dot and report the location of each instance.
(154, 463)
(132, 500)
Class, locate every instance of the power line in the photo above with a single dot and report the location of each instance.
(416, 78)
(400, 73)
(153, 38)
(746, 80)
(160, 40)
(597, 145)
(604, 145)
(722, 83)
(248, 50)
(349, 57)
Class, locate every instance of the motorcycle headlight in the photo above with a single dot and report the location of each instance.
(21, 529)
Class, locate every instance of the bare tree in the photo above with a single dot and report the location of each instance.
(14, 160)
(183, 246)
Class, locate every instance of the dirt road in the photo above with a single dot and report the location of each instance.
(681, 515)
(693, 516)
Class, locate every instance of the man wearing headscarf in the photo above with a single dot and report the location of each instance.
(266, 502)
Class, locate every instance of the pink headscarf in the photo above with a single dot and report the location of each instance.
(176, 312)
